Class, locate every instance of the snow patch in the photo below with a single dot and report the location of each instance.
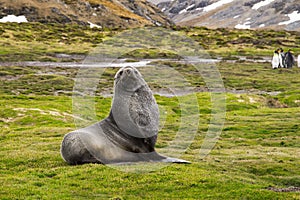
(94, 25)
(261, 25)
(13, 18)
(246, 25)
(236, 16)
(182, 11)
(294, 16)
(158, 24)
(186, 9)
(261, 4)
(190, 6)
(216, 5)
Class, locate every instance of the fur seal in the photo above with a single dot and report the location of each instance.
(127, 135)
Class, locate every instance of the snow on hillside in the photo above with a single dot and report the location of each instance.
(93, 25)
(13, 18)
(216, 5)
(187, 8)
(261, 4)
(246, 25)
(294, 16)
(268, 14)
(93, 13)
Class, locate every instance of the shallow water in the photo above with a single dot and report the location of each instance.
(123, 62)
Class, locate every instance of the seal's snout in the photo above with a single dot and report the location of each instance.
(131, 72)
(128, 70)
(125, 72)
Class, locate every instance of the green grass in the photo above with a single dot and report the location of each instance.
(35, 41)
(258, 148)
(235, 42)
(253, 154)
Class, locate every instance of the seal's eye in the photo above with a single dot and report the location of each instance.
(120, 73)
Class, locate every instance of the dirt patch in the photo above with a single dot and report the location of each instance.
(288, 189)
(274, 103)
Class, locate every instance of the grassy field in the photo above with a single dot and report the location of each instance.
(256, 156)
(35, 41)
(234, 42)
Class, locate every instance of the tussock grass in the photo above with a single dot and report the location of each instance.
(35, 41)
(235, 42)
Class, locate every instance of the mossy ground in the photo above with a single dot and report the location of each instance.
(258, 148)
(35, 41)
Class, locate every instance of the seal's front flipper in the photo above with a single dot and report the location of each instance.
(175, 160)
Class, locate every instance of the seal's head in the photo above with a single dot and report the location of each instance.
(128, 79)
(134, 108)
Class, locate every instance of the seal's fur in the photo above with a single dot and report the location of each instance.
(128, 134)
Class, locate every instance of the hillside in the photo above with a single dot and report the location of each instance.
(102, 13)
(243, 14)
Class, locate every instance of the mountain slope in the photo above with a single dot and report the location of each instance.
(254, 14)
(104, 13)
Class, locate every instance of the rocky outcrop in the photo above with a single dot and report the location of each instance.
(253, 14)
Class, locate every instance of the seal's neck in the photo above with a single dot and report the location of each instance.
(128, 142)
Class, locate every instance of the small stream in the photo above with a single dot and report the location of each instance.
(123, 62)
